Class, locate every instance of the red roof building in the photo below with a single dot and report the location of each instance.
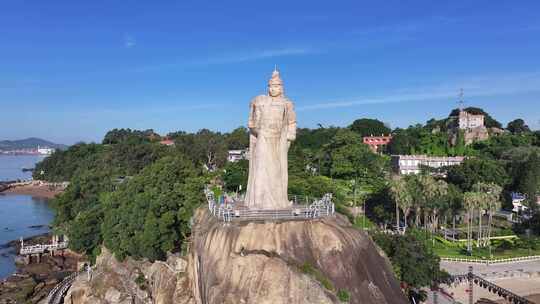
(377, 142)
(167, 142)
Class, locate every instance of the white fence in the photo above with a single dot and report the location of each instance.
(56, 295)
(492, 261)
(235, 212)
(41, 248)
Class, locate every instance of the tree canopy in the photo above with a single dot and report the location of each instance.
(518, 126)
(116, 136)
(149, 215)
(475, 170)
(369, 127)
(413, 262)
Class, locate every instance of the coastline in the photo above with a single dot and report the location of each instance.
(36, 189)
(32, 282)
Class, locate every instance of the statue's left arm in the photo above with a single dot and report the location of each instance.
(291, 121)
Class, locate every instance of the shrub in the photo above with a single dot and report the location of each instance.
(310, 270)
(140, 280)
(343, 295)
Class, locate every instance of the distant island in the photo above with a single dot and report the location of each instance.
(30, 145)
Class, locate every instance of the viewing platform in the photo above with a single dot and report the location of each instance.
(238, 212)
(39, 249)
(42, 248)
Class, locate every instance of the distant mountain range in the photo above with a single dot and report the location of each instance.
(28, 143)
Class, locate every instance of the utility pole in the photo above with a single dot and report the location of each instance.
(461, 102)
(471, 285)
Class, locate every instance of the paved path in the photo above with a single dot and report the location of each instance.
(521, 286)
(494, 271)
(522, 278)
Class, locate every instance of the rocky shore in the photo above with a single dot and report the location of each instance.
(34, 188)
(31, 283)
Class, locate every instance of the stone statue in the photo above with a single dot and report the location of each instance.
(272, 127)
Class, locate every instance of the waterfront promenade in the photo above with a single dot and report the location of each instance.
(522, 278)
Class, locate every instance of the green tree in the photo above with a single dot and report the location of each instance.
(489, 196)
(84, 230)
(205, 147)
(238, 139)
(438, 201)
(528, 180)
(518, 126)
(235, 175)
(402, 198)
(413, 263)
(496, 146)
(470, 201)
(474, 170)
(403, 143)
(149, 214)
(368, 127)
(536, 138)
(350, 159)
(116, 136)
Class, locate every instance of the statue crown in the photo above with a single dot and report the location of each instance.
(275, 79)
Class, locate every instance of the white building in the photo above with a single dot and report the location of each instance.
(45, 151)
(517, 202)
(236, 155)
(412, 164)
(469, 121)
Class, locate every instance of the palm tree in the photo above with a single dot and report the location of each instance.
(481, 205)
(434, 194)
(470, 200)
(440, 201)
(490, 194)
(417, 197)
(493, 205)
(402, 197)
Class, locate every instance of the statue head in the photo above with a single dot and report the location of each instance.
(275, 85)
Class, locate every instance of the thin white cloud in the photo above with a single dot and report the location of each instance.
(231, 58)
(257, 55)
(491, 85)
(129, 41)
(402, 31)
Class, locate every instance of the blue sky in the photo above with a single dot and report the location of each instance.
(71, 70)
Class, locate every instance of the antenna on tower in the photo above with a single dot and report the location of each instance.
(461, 102)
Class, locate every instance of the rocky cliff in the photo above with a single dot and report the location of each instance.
(132, 281)
(263, 262)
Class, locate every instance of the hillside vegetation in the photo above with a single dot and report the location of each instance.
(137, 196)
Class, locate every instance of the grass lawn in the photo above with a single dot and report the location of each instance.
(499, 250)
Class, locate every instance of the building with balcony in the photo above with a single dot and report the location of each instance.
(412, 164)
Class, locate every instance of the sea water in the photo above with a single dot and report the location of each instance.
(20, 215)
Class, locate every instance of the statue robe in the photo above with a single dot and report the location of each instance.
(272, 126)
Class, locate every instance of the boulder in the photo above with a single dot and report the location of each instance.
(253, 262)
(287, 262)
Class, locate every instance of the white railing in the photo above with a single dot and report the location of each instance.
(232, 212)
(492, 261)
(56, 295)
(34, 249)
